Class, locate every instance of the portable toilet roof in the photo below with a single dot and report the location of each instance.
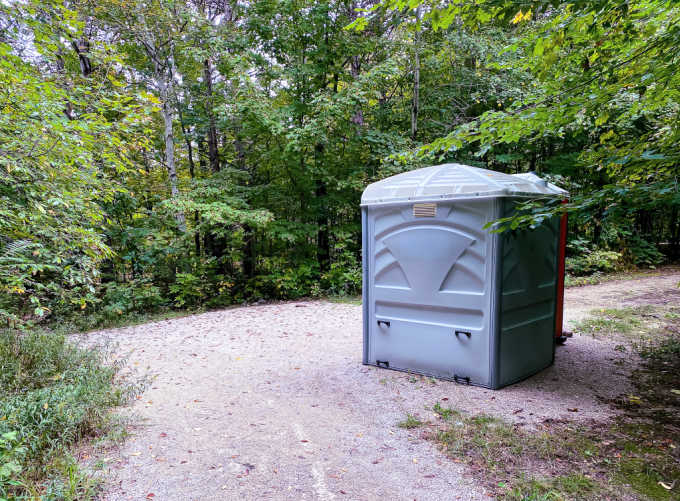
(445, 297)
(456, 181)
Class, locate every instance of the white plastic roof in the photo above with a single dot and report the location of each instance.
(449, 181)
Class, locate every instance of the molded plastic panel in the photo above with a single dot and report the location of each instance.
(429, 277)
(528, 293)
(455, 181)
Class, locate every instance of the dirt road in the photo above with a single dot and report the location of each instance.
(272, 402)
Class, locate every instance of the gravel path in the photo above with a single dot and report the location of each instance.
(272, 402)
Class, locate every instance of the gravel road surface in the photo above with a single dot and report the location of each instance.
(272, 402)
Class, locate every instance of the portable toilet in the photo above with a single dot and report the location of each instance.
(445, 297)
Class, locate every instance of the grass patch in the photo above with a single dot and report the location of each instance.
(53, 394)
(410, 422)
(634, 456)
(638, 324)
(355, 300)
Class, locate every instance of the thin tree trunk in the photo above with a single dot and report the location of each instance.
(81, 48)
(192, 173)
(355, 68)
(249, 252)
(213, 151)
(415, 105)
(187, 141)
(164, 85)
(323, 243)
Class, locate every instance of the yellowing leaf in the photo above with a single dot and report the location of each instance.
(607, 135)
(602, 119)
(518, 17)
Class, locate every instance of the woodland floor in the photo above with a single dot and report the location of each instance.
(272, 402)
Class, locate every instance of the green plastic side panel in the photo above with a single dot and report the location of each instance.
(528, 273)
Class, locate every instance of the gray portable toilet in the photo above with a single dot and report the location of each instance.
(444, 297)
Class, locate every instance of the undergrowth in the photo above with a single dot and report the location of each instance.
(633, 456)
(53, 394)
(599, 277)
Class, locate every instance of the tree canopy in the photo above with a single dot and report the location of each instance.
(172, 153)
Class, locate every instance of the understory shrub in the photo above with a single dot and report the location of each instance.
(134, 296)
(591, 261)
(344, 277)
(189, 290)
(52, 394)
(12, 454)
(642, 252)
(283, 281)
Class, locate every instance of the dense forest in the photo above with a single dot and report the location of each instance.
(199, 153)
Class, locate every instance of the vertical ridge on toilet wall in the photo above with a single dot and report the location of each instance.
(495, 300)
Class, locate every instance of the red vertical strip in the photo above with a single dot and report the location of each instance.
(559, 313)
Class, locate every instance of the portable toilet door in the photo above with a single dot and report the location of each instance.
(432, 290)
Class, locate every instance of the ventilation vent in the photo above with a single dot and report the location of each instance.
(424, 210)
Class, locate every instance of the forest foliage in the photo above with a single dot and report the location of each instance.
(198, 153)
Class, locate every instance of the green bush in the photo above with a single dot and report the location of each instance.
(642, 252)
(344, 277)
(282, 280)
(592, 261)
(12, 454)
(189, 290)
(52, 394)
(130, 297)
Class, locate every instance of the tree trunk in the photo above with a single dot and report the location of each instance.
(213, 151)
(415, 105)
(675, 234)
(249, 252)
(81, 48)
(355, 68)
(323, 253)
(187, 141)
(192, 173)
(164, 85)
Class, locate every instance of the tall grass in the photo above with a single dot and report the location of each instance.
(53, 394)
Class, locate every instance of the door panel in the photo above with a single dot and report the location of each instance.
(429, 278)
